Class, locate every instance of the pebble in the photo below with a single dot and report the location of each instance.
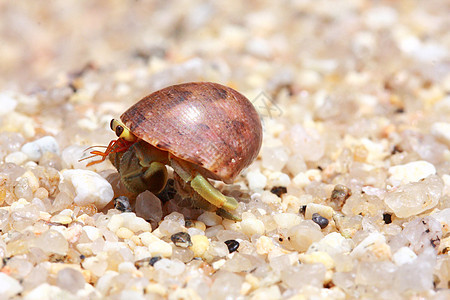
(374, 242)
(122, 203)
(200, 244)
(92, 232)
(323, 210)
(70, 280)
(171, 267)
(128, 220)
(333, 243)
(403, 256)
(148, 207)
(17, 158)
(232, 245)
(304, 234)
(147, 238)
(410, 172)
(124, 233)
(160, 248)
(34, 150)
(287, 220)
(319, 220)
(278, 190)
(90, 187)
(415, 197)
(181, 239)
(9, 287)
(61, 219)
(251, 225)
(441, 130)
(209, 218)
(264, 245)
(318, 257)
(256, 180)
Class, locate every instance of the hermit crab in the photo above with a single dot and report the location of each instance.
(202, 130)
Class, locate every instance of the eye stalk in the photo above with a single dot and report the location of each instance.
(122, 131)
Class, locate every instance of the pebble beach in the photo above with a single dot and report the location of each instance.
(349, 197)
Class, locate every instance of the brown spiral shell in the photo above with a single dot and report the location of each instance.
(207, 124)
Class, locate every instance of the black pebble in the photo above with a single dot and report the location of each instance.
(232, 245)
(387, 218)
(153, 260)
(302, 210)
(122, 203)
(181, 239)
(279, 190)
(319, 220)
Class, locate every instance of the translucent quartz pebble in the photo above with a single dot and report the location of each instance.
(409, 278)
(148, 207)
(413, 198)
(52, 241)
(34, 150)
(306, 274)
(9, 286)
(419, 234)
(274, 158)
(172, 267)
(410, 172)
(306, 142)
(90, 187)
(70, 279)
(304, 234)
(226, 285)
(333, 243)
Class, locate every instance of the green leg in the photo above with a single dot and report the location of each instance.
(203, 187)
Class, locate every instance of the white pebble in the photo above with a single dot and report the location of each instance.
(50, 292)
(279, 179)
(8, 103)
(160, 248)
(323, 210)
(34, 150)
(17, 158)
(287, 220)
(134, 223)
(92, 232)
(251, 226)
(147, 238)
(256, 180)
(410, 172)
(403, 255)
(91, 188)
(9, 286)
(441, 130)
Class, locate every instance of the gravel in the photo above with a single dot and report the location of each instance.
(350, 194)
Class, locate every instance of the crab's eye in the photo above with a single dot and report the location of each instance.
(119, 130)
(111, 124)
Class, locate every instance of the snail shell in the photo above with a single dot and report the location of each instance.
(207, 124)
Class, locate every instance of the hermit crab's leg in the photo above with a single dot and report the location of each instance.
(190, 198)
(142, 167)
(202, 186)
